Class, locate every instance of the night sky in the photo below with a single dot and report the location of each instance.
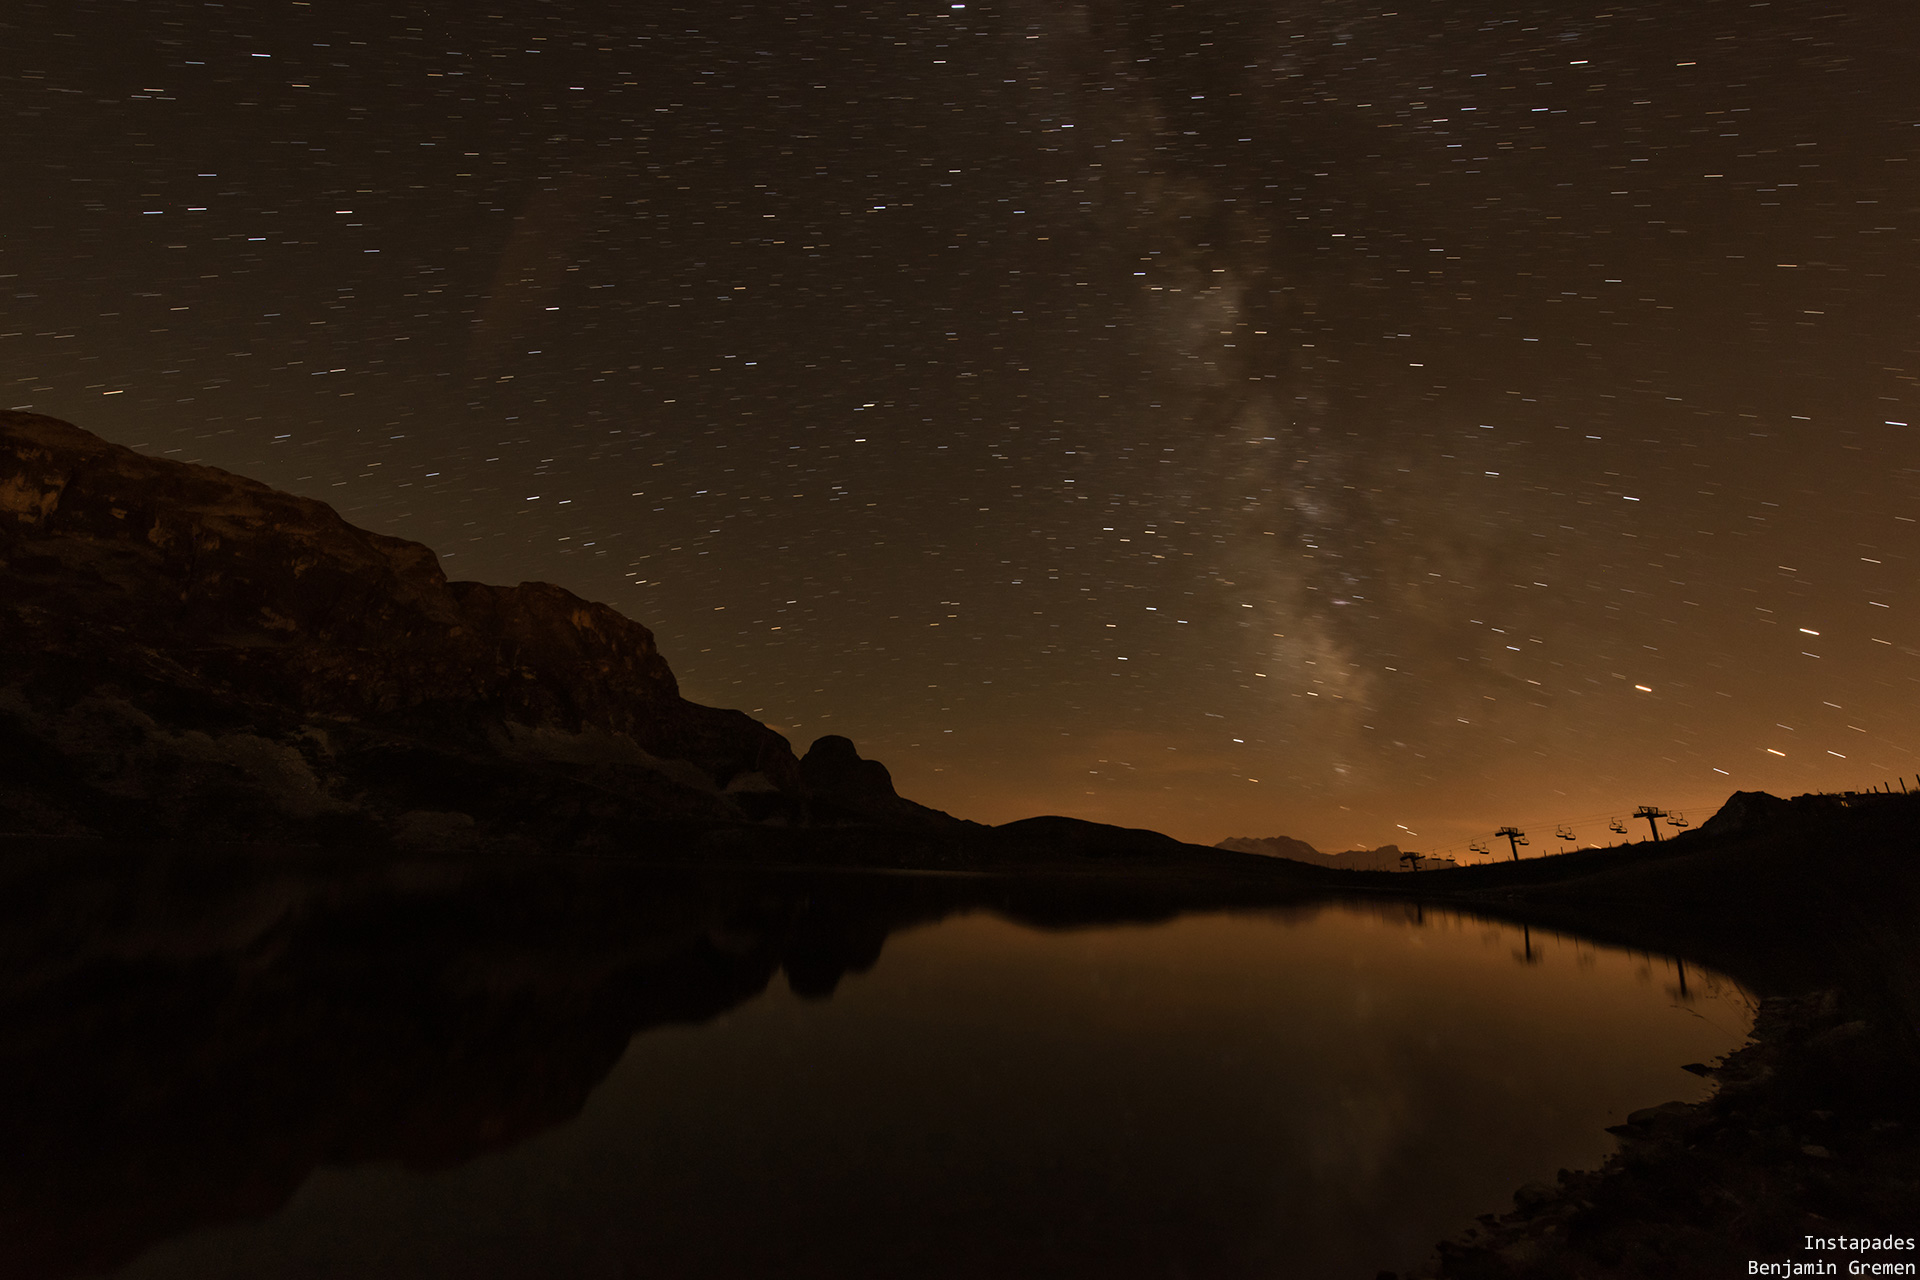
(1232, 418)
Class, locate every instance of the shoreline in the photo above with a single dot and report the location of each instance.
(1808, 1136)
(1813, 1132)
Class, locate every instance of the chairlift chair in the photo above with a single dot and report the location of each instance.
(1617, 826)
(1677, 819)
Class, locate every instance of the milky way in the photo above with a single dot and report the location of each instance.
(1229, 418)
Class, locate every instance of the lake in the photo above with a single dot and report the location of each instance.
(1316, 1091)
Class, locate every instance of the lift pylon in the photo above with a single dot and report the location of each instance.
(1515, 837)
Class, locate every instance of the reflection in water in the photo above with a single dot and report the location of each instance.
(435, 1071)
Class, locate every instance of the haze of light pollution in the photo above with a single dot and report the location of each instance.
(1230, 418)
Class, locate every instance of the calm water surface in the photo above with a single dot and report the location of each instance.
(1322, 1093)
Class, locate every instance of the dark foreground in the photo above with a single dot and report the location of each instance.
(314, 1006)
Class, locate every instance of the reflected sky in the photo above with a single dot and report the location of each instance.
(1322, 1093)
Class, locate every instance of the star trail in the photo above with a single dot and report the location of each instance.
(1228, 418)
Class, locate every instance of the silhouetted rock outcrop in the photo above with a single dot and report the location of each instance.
(1753, 813)
(187, 651)
(832, 766)
(844, 786)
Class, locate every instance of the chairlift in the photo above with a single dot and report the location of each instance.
(1564, 833)
(1521, 840)
(1677, 819)
(1477, 847)
(1617, 826)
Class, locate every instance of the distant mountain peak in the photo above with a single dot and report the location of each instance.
(1386, 858)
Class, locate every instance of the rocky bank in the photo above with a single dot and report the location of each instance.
(1813, 905)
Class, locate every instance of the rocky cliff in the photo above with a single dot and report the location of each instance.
(186, 651)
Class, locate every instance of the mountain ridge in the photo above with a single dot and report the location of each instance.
(1386, 858)
(188, 651)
